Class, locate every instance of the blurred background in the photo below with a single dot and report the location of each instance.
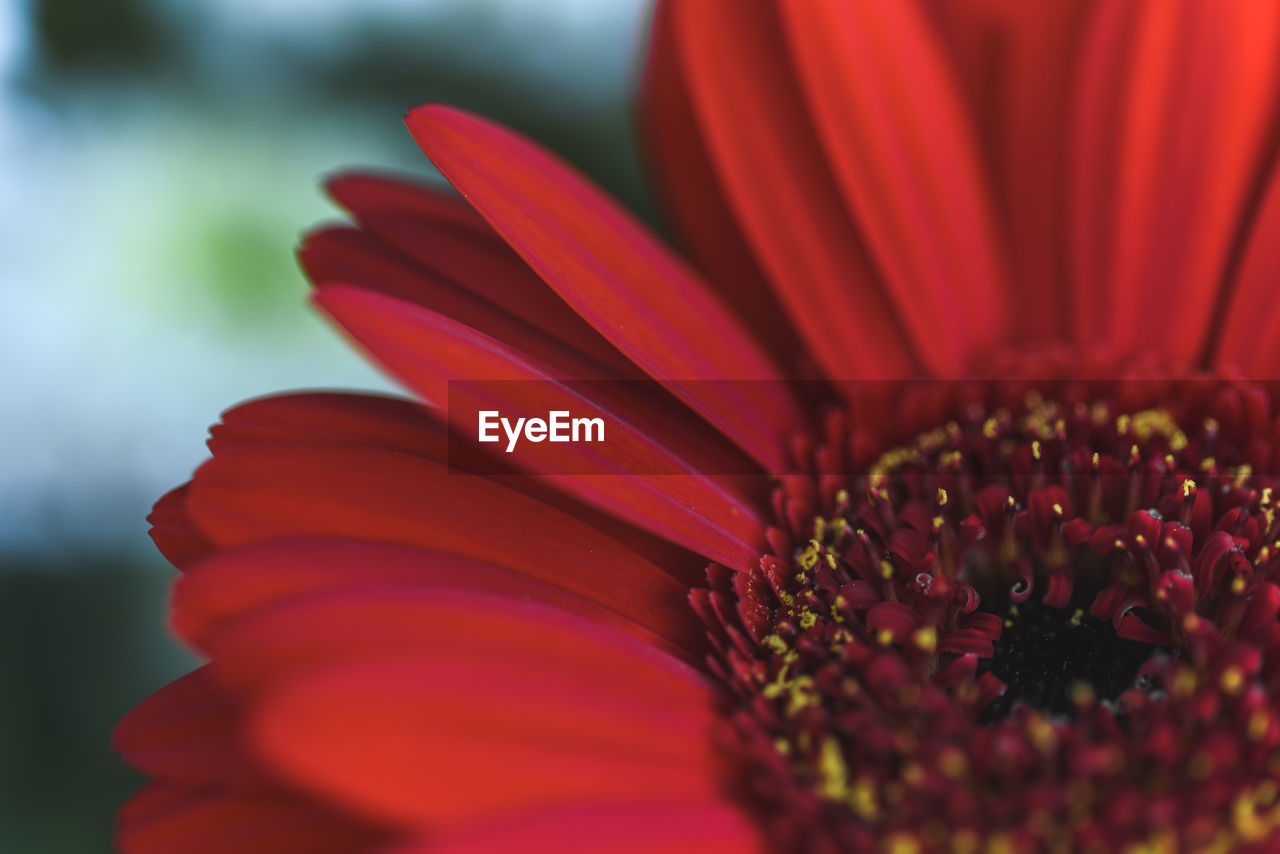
(158, 162)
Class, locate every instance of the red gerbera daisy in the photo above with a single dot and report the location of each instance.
(1030, 613)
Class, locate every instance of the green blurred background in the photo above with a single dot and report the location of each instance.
(158, 160)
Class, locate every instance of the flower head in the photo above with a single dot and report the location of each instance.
(1005, 578)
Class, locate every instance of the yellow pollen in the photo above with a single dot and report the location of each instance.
(901, 843)
(886, 569)
(951, 763)
(1238, 584)
(884, 637)
(1259, 724)
(775, 643)
(842, 497)
(1082, 694)
(1042, 734)
(927, 638)
(1000, 844)
(942, 497)
(831, 765)
(1184, 683)
(1188, 488)
(1232, 680)
(964, 841)
(1035, 449)
(808, 620)
(1247, 821)
(1077, 617)
(862, 799)
(1160, 842)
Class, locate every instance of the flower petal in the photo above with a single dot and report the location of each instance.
(751, 114)
(355, 257)
(448, 238)
(187, 732)
(1175, 117)
(891, 120)
(222, 589)
(427, 709)
(641, 828)
(695, 206)
(694, 510)
(172, 532)
(255, 494)
(408, 427)
(346, 418)
(615, 274)
(165, 818)
(1017, 60)
(1250, 336)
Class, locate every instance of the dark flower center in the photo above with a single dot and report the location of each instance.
(1046, 624)
(1046, 656)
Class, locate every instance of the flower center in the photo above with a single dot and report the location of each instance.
(998, 626)
(1047, 656)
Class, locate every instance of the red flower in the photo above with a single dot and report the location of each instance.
(997, 615)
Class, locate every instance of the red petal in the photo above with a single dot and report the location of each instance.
(187, 732)
(422, 709)
(404, 621)
(773, 170)
(1250, 335)
(343, 418)
(408, 427)
(615, 274)
(889, 114)
(689, 509)
(255, 494)
(355, 257)
(171, 530)
(648, 828)
(368, 192)
(163, 819)
(694, 202)
(1176, 107)
(447, 237)
(222, 589)
(1017, 61)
